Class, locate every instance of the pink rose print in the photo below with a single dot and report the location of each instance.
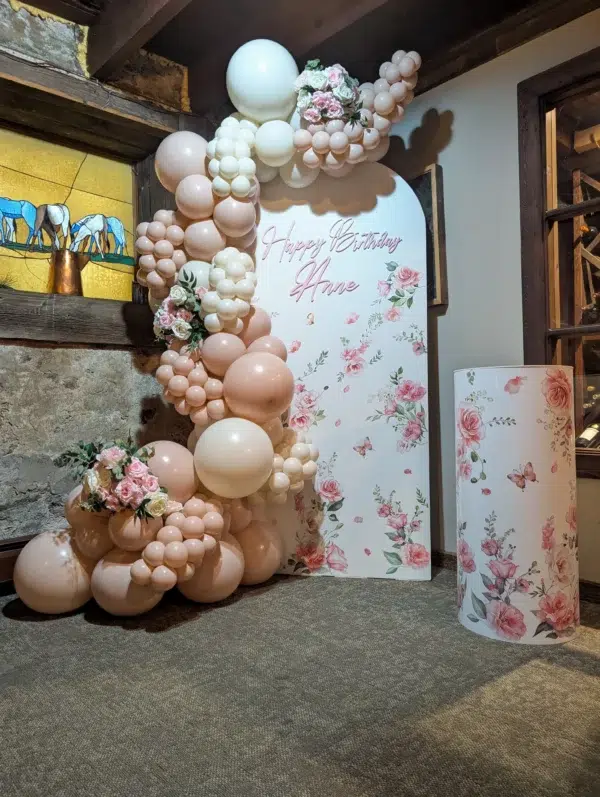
(349, 354)
(464, 469)
(406, 278)
(503, 568)
(299, 387)
(390, 408)
(313, 556)
(522, 585)
(514, 385)
(571, 517)
(352, 318)
(557, 610)
(383, 288)
(548, 534)
(486, 491)
(562, 567)
(307, 400)
(470, 426)
(392, 314)
(554, 467)
(336, 559)
(136, 469)
(355, 366)
(358, 519)
(556, 387)
(398, 522)
(109, 457)
(338, 422)
(294, 346)
(412, 431)
(408, 390)
(330, 490)
(490, 547)
(465, 557)
(300, 421)
(415, 555)
(418, 347)
(347, 389)
(407, 471)
(507, 620)
(385, 510)
(367, 551)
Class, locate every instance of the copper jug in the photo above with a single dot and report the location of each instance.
(66, 272)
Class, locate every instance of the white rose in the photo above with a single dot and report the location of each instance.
(303, 100)
(157, 505)
(343, 93)
(173, 506)
(91, 482)
(181, 329)
(178, 294)
(314, 78)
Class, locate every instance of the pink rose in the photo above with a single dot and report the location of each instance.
(415, 555)
(557, 389)
(313, 556)
(299, 388)
(301, 420)
(349, 354)
(313, 116)
(571, 517)
(465, 557)
(200, 292)
(418, 347)
(490, 547)
(321, 99)
(390, 407)
(461, 450)
(465, 469)
(136, 469)
(363, 346)
(385, 510)
(554, 467)
(470, 426)
(522, 585)
(294, 346)
(383, 288)
(335, 109)
(503, 568)
(165, 320)
(330, 490)
(352, 318)
(548, 534)
(392, 314)
(109, 457)
(406, 277)
(408, 390)
(335, 75)
(184, 315)
(307, 400)
(514, 385)
(562, 566)
(508, 621)
(129, 493)
(150, 483)
(355, 366)
(336, 559)
(112, 503)
(415, 525)
(557, 610)
(486, 491)
(412, 431)
(398, 522)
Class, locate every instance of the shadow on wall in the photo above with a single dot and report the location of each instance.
(424, 144)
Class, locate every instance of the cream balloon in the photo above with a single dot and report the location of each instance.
(203, 240)
(114, 590)
(179, 155)
(198, 270)
(233, 457)
(173, 466)
(296, 173)
(264, 172)
(262, 549)
(274, 142)
(194, 198)
(260, 80)
(50, 576)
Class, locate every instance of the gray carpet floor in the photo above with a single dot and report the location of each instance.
(305, 688)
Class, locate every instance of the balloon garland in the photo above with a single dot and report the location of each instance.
(146, 520)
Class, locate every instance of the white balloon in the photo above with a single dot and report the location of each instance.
(274, 142)
(296, 173)
(198, 269)
(260, 80)
(220, 186)
(234, 458)
(265, 173)
(295, 120)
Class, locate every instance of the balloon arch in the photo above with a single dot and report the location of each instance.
(143, 521)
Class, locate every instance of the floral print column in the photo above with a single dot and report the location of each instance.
(518, 577)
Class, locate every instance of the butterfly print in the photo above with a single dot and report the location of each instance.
(521, 477)
(363, 447)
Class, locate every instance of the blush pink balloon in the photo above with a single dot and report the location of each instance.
(142, 229)
(179, 155)
(302, 141)
(114, 590)
(258, 387)
(399, 92)
(175, 234)
(179, 257)
(194, 197)
(257, 324)
(262, 549)
(163, 248)
(271, 345)
(166, 216)
(220, 351)
(203, 240)
(235, 217)
(173, 466)
(244, 241)
(79, 518)
(144, 245)
(220, 574)
(130, 532)
(156, 230)
(147, 262)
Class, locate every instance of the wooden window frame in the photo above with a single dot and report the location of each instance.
(73, 111)
(536, 96)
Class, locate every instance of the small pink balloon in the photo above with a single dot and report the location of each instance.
(181, 406)
(194, 197)
(216, 409)
(147, 262)
(411, 82)
(320, 142)
(193, 526)
(380, 85)
(140, 573)
(302, 141)
(311, 159)
(178, 385)
(392, 74)
(416, 58)
(356, 153)
(175, 519)
(354, 131)
(195, 507)
(383, 68)
(257, 324)
(334, 126)
(367, 98)
(195, 396)
(176, 554)
(195, 548)
(399, 92)
(199, 417)
(168, 357)
(338, 142)
(213, 388)
(175, 234)
(141, 279)
(235, 217)
(156, 231)
(203, 240)
(165, 216)
(144, 245)
(164, 374)
(384, 103)
(156, 282)
(169, 534)
(213, 523)
(173, 466)
(271, 345)
(178, 155)
(185, 573)
(398, 56)
(166, 267)
(407, 66)
(371, 138)
(183, 365)
(258, 387)
(142, 229)
(163, 578)
(220, 350)
(382, 123)
(317, 128)
(197, 376)
(210, 543)
(398, 113)
(179, 257)
(163, 248)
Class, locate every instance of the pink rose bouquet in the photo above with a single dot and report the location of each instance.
(327, 93)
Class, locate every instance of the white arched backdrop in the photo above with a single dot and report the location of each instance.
(341, 267)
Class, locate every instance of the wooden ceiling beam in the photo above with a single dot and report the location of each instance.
(124, 27)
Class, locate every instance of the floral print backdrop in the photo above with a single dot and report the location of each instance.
(518, 577)
(341, 268)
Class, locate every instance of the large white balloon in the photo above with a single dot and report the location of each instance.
(233, 457)
(274, 142)
(296, 174)
(179, 155)
(260, 80)
(198, 269)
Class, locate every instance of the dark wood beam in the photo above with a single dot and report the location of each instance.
(124, 27)
(84, 12)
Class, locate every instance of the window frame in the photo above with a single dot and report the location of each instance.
(536, 96)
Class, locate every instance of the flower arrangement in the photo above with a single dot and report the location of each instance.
(326, 93)
(178, 317)
(116, 476)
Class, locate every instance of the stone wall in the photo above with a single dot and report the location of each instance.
(50, 398)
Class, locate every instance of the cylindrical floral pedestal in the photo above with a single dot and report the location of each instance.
(518, 577)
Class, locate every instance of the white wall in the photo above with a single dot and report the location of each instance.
(469, 126)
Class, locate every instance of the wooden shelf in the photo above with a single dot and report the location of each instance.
(74, 319)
